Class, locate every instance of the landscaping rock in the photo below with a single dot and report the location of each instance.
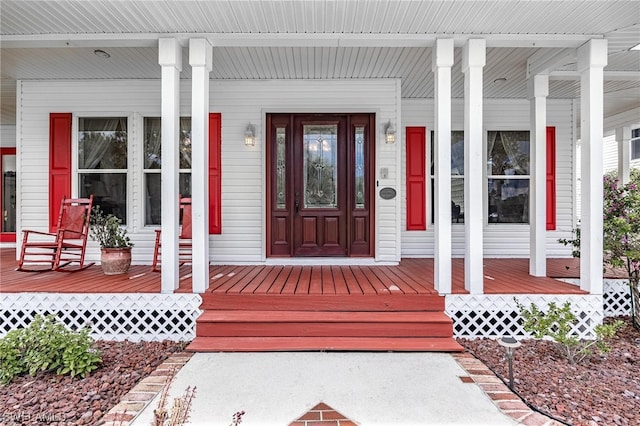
(601, 390)
(64, 401)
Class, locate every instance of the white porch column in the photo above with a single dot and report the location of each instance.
(442, 63)
(473, 60)
(200, 52)
(623, 137)
(592, 58)
(170, 59)
(538, 92)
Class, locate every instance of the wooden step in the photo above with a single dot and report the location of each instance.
(286, 344)
(330, 302)
(325, 324)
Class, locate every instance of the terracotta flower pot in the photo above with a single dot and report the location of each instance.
(115, 260)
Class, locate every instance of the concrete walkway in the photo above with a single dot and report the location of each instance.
(390, 389)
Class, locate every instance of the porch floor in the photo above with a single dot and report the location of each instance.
(411, 276)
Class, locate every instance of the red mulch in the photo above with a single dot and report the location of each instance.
(601, 390)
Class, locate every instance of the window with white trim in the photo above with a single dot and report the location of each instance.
(508, 176)
(102, 162)
(153, 163)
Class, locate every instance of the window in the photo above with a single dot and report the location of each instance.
(102, 163)
(508, 176)
(152, 165)
(635, 144)
(457, 177)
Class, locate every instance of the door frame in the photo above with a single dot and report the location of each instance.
(281, 244)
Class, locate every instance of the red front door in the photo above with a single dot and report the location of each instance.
(319, 182)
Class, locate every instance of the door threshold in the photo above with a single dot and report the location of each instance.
(341, 261)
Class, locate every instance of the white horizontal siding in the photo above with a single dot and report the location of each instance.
(609, 153)
(243, 170)
(244, 101)
(500, 240)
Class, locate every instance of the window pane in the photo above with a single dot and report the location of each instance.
(457, 153)
(153, 143)
(109, 192)
(360, 167)
(635, 149)
(8, 193)
(281, 167)
(185, 143)
(507, 153)
(153, 207)
(508, 200)
(457, 177)
(320, 171)
(457, 200)
(102, 143)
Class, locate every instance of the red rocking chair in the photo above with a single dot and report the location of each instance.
(56, 251)
(184, 239)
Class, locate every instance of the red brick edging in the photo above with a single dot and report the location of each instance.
(508, 402)
(137, 399)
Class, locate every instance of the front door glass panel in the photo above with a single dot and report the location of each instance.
(320, 166)
(359, 168)
(8, 192)
(281, 168)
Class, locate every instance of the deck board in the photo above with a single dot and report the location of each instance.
(411, 276)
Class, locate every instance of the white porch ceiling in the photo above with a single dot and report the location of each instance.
(319, 39)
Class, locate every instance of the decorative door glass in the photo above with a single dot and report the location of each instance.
(360, 168)
(320, 166)
(281, 168)
(8, 192)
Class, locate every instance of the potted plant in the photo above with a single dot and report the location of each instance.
(115, 245)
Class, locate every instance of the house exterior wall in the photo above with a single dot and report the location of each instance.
(500, 240)
(610, 155)
(243, 169)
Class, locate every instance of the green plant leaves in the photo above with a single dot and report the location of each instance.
(47, 345)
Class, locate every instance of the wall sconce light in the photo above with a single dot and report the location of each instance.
(389, 133)
(250, 135)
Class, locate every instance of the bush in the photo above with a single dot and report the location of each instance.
(557, 323)
(47, 345)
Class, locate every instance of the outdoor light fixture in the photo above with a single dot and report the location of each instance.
(250, 135)
(510, 344)
(389, 133)
(101, 53)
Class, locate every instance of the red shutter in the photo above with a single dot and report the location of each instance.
(215, 174)
(551, 178)
(416, 181)
(59, 163)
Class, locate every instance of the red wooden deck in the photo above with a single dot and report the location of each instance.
(412, 276)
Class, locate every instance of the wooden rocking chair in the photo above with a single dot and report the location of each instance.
(184, 239)
(55, 251)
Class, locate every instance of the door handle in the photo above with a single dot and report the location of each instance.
(297, 203)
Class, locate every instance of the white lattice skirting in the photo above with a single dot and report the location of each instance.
(126, 316)
(477, 316)
(617, 298)
(151, 317)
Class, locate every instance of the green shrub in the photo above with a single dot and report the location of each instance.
(557, 323)
(47, 345)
